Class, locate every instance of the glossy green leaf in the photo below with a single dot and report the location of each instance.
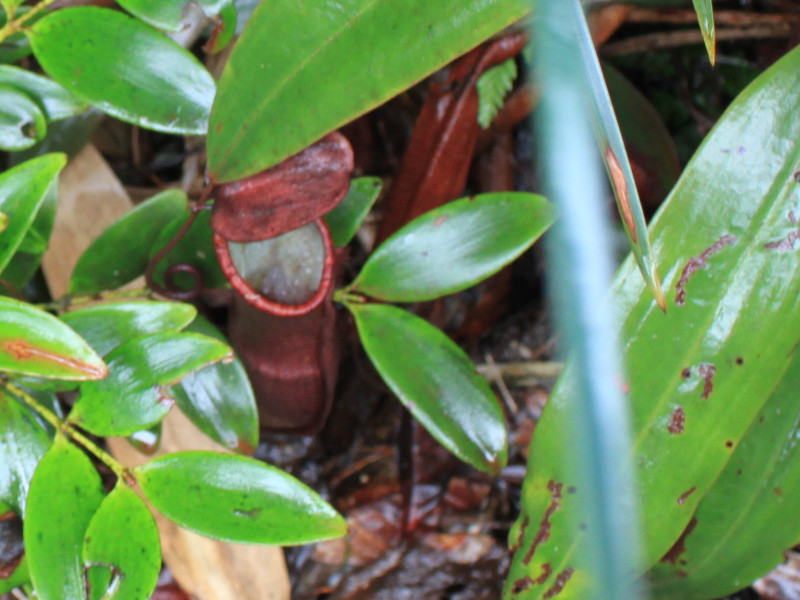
(23, 442)
(727, 246)
(123, 535)
(454, 246)
(23, 189)
(437, 382)
(705, 17)
(33, 342)
(54, 101)
(345, 219)
(615, 157)
(746, 521)
(492, 88)
(219, 400)
(22, 124)
(135, 395)
(106, 326)
(19, 577)
(65, 494)
(121, 253)
(125, 67)
(24, 263)
(293, 50)
(196, 248)
(237, 499)
(168, 14)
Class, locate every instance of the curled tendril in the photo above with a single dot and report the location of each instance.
(177, 292)
(172, 289)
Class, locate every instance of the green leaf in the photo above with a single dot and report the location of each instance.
(19, 577)
(65, 494)
(705, 17)
(344, 220)
(168, 14)
(219, 400)
(647, 139)
(23, 189)
(135, 395)
(615, 157)
(22, 444)
(54, 101)
(22, 124)
(125, 67)
(492, 88)
(727, 246)
(454, 246)
(123, 536)
(16, 46)
(437, 382)
(33, 342)
(224, 29)
(106, 326)
(196, 248)
(3, 221)
(260, 116)
(746, 521)
(103, 266)
(237, 499)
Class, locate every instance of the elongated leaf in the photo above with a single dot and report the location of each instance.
(33, 342)
(748, 518)
(647, 139)
(23, 442)
(135, 395)
(121, 253)
(168, 14)
(727, 245)
(53, 99)
(123, 535)
(615, 157)
(293, 49)
(106, 326)
(22, 124)
(126, 68)
(237, 499)
(22, 191)
(705, 17)
(344, 220)
(453, 247)
(64, 495)
(220, 400)
(437, 382)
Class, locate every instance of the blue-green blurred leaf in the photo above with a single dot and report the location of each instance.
(22, 124)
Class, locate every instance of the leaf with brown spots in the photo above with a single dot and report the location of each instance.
(33, 342)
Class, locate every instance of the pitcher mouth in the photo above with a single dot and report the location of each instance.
(259, 300)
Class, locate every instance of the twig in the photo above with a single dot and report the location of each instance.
(494, 375)
(730, 18)
(521, 373)
(675, 39)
